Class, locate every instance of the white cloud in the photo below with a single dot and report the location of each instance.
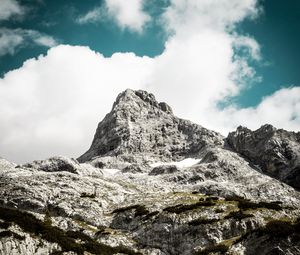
(43, 40)
(51, 105)
(13, 39)
(9, 41)
(186, 16)
(91, 16)
(9, 8)
(128, 14)
(200, 61)
(281, 109)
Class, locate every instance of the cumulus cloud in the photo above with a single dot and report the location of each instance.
(200, 60)
(10, 8)
(13, 39)
(127, 14)
(281, 109)
(51, 105)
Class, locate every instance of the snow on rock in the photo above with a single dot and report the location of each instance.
(187, 162)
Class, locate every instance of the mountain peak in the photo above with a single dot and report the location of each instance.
(139, 124)
(141, 98)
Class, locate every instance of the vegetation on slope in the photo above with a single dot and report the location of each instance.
(67, 240)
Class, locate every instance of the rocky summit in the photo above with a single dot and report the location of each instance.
(152, 183)
(140, 126)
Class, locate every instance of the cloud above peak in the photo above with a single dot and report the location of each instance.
(185, 16)
(126, 14)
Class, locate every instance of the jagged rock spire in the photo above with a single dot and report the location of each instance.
(138, 123)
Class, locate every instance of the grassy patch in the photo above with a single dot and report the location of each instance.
(238, 215)
(150, 215)
(89, 195)
(202, 221)
(8, 233)
(212, 198)
(244, 204)
(85, 226)
(140, 210)
(5, 225)
(222, 247)
(68, 241)
(182, 208)
(102, 230)
(247, 204)
(281, 228)
(219, 210)
(277, 229)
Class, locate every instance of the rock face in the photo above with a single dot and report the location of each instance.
(152, 183)
(54, 164)
(139, 125)
(275, 151)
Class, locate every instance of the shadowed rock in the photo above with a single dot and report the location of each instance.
(54, 164)
(275, 151)
(169, 169)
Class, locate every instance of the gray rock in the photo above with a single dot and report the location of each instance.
(139, 125)
(54, 164)
(275, 151)
(164, 169)
(133, 168)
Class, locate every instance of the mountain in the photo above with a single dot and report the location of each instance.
(275, 151)
(152, 183)
(140, 125)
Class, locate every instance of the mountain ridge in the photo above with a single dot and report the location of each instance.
(187, 190)
(140, 124)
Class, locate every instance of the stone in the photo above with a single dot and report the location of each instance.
(54, 164)
(275, 151)
(164, 169)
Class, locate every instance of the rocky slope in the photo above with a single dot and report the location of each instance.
(139, 125)
(152, 183)
(275, 151)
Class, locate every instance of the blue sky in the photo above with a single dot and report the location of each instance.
(220, 63)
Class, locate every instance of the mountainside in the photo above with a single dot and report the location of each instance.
(275, 151)
(152, 183)
(139, 125)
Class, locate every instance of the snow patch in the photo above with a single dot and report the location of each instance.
(181, 164)
(110, 171)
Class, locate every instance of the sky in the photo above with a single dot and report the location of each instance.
(219, 63)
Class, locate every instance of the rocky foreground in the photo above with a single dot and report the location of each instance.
(152, 183)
